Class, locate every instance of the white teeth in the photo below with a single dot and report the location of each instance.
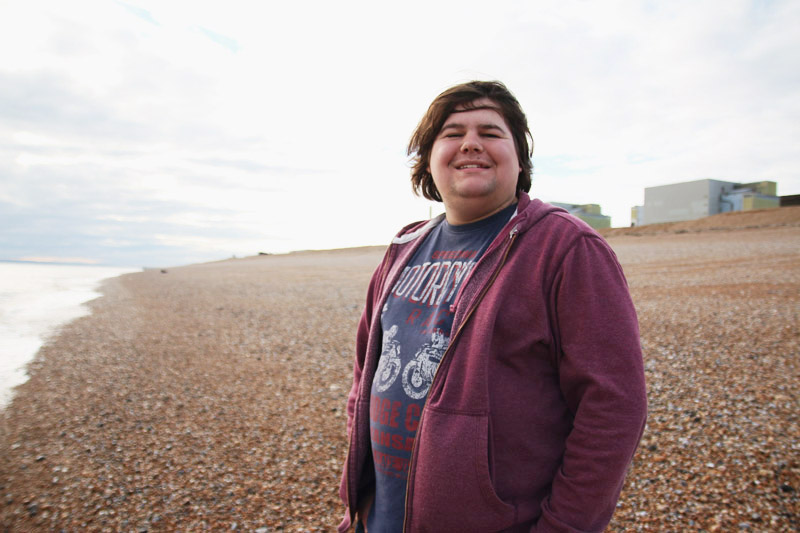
(470, 166)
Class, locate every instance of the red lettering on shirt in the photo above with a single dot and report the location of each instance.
(374, 406)
(385, 407)
(391, 440)
(412, 417)
(395, 413)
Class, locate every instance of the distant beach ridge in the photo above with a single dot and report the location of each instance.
(35, 299)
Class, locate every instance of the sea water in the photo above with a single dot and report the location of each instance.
(35, 299)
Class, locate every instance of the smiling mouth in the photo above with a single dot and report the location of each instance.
(462, 167)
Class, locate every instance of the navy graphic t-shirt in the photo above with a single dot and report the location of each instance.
(416, 323)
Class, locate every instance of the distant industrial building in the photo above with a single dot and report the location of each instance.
(589, 213)
(696, 199)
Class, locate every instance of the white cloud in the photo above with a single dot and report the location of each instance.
(283, 125)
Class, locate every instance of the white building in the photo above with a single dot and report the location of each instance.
(696, 199)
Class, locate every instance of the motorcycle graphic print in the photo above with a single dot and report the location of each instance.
(418, 373)
(389, 363)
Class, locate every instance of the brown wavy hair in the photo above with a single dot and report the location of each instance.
(465, 95)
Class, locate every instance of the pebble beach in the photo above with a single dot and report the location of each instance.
(211, 397)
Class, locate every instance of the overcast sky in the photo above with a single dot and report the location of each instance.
(159, 133)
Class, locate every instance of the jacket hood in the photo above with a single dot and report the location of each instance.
(529, 212)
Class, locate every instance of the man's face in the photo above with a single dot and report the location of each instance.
(474, 163)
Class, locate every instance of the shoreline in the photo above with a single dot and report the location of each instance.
(213, 394)
(38, 299)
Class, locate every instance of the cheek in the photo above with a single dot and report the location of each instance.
(512, 158)
(438, 158)
(436, 153)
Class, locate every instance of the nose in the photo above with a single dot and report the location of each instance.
(471, 143)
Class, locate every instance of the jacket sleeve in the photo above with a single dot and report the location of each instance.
(358, 363)
(362, 336)
(601, 377)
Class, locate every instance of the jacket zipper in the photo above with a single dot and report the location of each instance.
(512, 236)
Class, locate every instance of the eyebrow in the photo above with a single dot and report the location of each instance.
(456, 125)
(488, 126)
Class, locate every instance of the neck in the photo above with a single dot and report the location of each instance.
(462, 215)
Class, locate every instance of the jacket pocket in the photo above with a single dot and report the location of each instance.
(452, 489)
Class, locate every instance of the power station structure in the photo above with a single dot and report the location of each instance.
(701, 198)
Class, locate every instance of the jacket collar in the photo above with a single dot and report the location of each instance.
(529, 212)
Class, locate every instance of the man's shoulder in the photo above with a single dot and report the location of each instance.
(539, 215)
(554, 228)
(570, 223)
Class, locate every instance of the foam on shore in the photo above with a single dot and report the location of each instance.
(35, 299)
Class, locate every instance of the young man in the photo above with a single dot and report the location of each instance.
(498, 381)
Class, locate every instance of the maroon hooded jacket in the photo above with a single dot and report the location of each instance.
(538, 403)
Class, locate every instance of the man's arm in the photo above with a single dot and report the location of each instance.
(602, 379)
